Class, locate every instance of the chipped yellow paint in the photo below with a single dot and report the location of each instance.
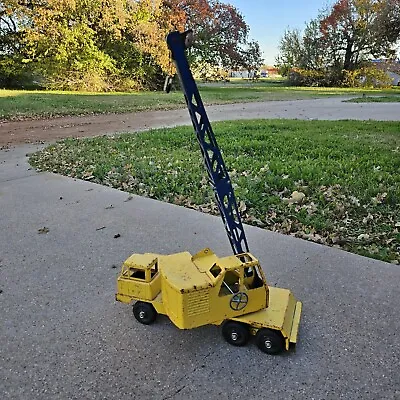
(205, 289)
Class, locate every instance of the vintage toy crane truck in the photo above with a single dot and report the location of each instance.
(206, 289)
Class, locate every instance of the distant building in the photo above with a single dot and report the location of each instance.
(242, 73)
(264, 72)
(271, 71)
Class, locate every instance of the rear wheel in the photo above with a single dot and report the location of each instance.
(144, 312)
(270, 341)
(235, 333)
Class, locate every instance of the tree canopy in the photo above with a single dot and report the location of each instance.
(343, 37)
(114, 44)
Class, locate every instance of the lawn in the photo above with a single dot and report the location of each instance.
(16, 104)
(376, 99)
(331, 182)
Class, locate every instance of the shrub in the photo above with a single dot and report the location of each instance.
(84, 81)
(368, 76)
(209, 73)
(303, 77)
(15, 74)
(149, 77)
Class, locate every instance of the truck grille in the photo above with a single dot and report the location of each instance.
(198, 302)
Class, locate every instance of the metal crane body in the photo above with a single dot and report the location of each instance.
(206, 289)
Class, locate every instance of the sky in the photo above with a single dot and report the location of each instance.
(268, 20)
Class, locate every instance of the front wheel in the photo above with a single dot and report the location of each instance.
(270, 341)
(145, 313)
(235, 333)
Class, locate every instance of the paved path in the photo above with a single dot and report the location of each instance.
(324, 108)
(64, 337)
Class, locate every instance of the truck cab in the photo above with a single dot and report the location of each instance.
(139, 278)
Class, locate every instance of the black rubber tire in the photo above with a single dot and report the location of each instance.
(235, 333)
(270, 341)
(145, 313)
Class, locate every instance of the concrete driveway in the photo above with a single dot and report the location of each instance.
(64, 337)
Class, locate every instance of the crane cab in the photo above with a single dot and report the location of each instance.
(205, 289)
(195, 290)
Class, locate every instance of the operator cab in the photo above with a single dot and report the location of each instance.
(242, 273)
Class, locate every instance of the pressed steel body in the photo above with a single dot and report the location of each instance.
(204, 289)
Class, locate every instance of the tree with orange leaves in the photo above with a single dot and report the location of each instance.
(356, 29)
(113, 44)
(344, 37)
(220, 30)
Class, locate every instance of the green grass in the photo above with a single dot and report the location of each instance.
(17, 104)
(376, 99)
(348, 172)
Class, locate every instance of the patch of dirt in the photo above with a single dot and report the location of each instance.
(49, 130)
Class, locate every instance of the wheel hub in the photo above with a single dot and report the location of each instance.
(142, 314)
(268, 344)
(234, 336)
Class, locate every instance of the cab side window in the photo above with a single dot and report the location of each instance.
(230, 284)
(253, 280)
(215, 270)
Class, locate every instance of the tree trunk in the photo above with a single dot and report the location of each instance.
(348, 65)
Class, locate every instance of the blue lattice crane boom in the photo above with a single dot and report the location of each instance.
(202, 289)
(217, 173)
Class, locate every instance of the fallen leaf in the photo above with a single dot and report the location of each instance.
(296, 197)
(354, 200)
(242, 206)
(335, 239)
(369, 217)
(379, 199)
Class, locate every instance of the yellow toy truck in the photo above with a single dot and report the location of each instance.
(205, 289)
